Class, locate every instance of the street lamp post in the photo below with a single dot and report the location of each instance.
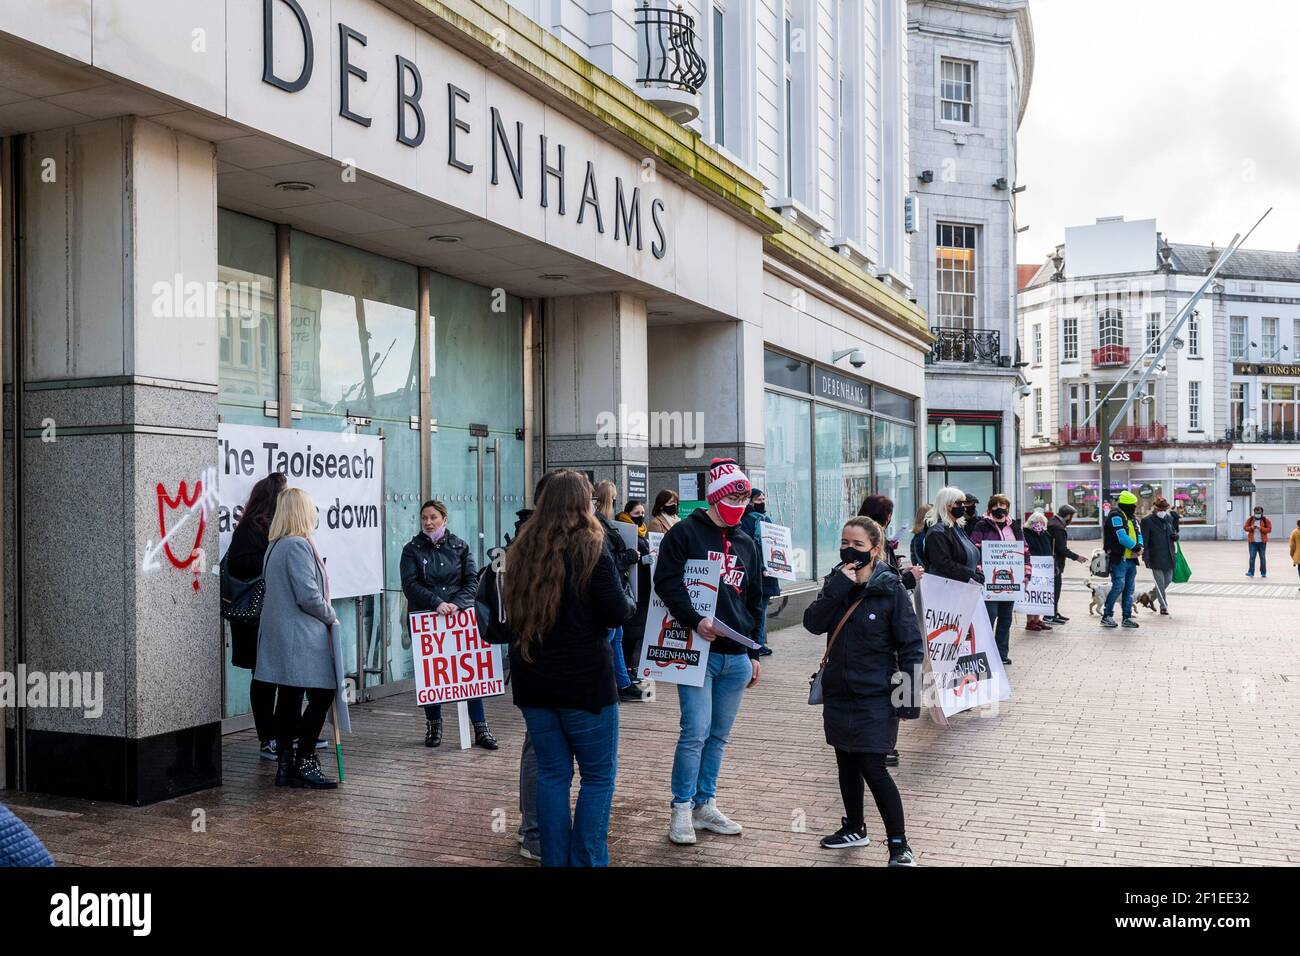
(1105, 459)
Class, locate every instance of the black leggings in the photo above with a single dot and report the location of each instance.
(291, 721)
(856, 767)
(262, 696)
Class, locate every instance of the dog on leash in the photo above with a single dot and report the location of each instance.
(1098, 603)
(1149, 599)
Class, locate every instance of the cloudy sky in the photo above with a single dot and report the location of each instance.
(1185, 111)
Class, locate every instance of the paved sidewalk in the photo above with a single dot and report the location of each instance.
(1173, 744)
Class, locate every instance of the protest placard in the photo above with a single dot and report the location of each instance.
(671, 651)
(1004, 569)
(961, 653)
(778, 550)
(452, 662)
(1038, 597)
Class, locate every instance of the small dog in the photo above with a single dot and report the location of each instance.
(1149, 599)
(1098, 603)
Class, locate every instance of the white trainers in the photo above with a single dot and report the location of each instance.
(709, 817)
(681, 830)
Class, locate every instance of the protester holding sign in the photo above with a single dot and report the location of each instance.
(949, 553)
(751, 523)
(625, 559)
(633, 513)
(561, 594)
(298, 642)
(1040, 545)
(873, 634)
(243, 561)
(998, 525)
(708, 711)
(438, 574)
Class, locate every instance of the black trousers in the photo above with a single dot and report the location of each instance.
(262, 696)
(854, 768)
(291, 721)
(1056, 591)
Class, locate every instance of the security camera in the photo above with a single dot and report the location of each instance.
(1025, 391)
(857, 358)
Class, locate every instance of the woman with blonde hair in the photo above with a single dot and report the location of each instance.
(298, 646)
(949, 553)
(561, 595)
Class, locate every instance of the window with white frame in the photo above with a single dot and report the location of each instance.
(718, 73)
(1110, 328)
(1269, 343)
(1194, 335)
(799, 45)
(1080, 403)
(1070, 338)
(850, 143)
(1237, 405)
(788, 86)
(1194, 406)
(1154, 325)
(957, 90)
(1038, 343)
(1237, 337)
(1038, 411)
(1295, 337)
(955, 275)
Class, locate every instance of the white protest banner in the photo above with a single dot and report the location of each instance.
(452, 662)
(1004, 569)
(1038, 597)
(961, 654)
(671, 651)
(778, 551)
(344, 475)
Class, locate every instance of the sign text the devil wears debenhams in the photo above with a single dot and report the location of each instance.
(510, 159)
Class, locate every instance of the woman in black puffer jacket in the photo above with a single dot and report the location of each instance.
(438, 574)
(879, 638)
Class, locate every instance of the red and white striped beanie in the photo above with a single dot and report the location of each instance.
(725, 477)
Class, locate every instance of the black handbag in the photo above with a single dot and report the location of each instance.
(240, 600)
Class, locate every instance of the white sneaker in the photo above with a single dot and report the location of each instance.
(709, 817)
(681, 830)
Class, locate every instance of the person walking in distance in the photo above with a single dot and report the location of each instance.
(1122, 540)
(708, 712)
(1058, 527)
(872, 635)
(1160, 532)
(1258, 527)
(1294, 543)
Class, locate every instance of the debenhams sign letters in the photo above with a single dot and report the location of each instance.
(436, 118)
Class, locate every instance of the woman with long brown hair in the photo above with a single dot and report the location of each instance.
(561, 595)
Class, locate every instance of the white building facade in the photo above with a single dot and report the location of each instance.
(504, 238)
(1214, 430)
(971, 70)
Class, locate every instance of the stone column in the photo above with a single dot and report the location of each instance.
(595, 388)
(119, 411)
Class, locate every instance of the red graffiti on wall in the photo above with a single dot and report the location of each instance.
(188, 500)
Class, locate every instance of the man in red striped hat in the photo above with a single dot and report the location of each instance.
(708, 712)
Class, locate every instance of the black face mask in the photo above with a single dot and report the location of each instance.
(958, 512)
(670, 509)
(969, 511)
(638, 520)
(999, 513)
(854, 556)
(761, 508)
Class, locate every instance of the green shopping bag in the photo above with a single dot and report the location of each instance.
(1182, 570)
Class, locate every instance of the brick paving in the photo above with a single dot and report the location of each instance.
(1171, 745)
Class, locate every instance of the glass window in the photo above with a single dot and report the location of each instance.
(893, 404)
(717, 70)
(789, 473)
(1154, 325)
(1237, 405)
(1269, 345)
(1038, 496)
(843, 477)
(1237, 336)
(1192, 499)
(1110, 328)
(957, 90)
(1038, 411)
(894, 460)
(1194, 406)
(1277, 418)
(1070, 338)
(1038, 343)
(1083, 495)
(954, 436)
(1194, 335)
(955, 276)
(247, 375)
(786, 372)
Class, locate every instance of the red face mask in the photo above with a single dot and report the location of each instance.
(730, 514)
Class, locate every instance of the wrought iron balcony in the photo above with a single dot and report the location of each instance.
(670, 69)
(1122, 435)
(1109, 355)
(1266, 436)
(972, 346)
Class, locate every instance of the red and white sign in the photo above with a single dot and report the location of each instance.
(452, 663)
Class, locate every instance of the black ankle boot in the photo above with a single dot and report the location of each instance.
(433, 732)
(284, 769)
(483, 737)
(307, 773)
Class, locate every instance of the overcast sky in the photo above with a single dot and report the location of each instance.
(1184, 111)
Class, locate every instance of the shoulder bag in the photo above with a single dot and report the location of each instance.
(815, 682)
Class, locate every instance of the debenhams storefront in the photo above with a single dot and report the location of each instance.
(438, 247)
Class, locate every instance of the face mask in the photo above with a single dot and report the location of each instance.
(1162, 514)
(760, 508)
(638, 520)
(999, 513)
(1259, 514)
(730, 514)
(436, 536)
(958, 512)
(670, 509)
(854, 556)
(1039, 527)
(969, 511)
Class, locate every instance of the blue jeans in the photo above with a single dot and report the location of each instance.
(1123, 576)
(707, 714)
(1258, 548)
(1000, 617)
(561, 735)
(475, 708)
(621, 676)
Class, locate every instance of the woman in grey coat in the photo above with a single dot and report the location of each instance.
(298, 642)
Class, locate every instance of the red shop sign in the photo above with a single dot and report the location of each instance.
(1116, 454)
